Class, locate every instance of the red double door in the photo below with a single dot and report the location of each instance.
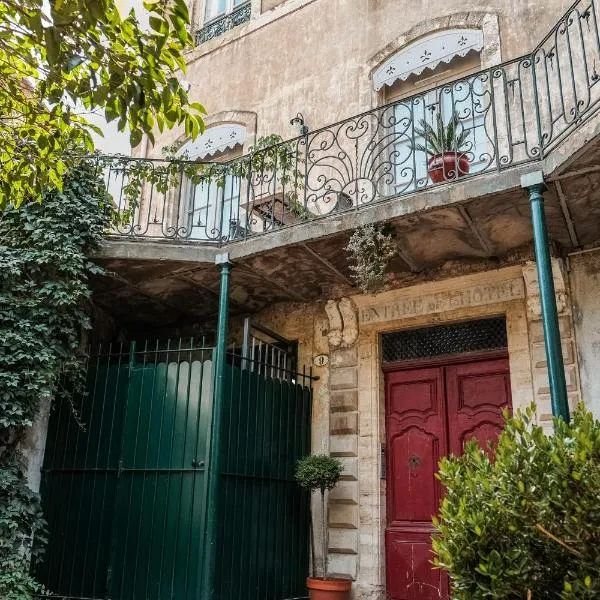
(431, 412)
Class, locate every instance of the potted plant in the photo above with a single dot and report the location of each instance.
(444, 144)
(320, 472)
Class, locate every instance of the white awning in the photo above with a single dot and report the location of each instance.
(215, 139)
(427, 53)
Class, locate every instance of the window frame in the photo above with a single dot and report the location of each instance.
(230, 6)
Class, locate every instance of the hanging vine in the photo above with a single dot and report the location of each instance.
(269, 160)
(44, 290)
(370, 249)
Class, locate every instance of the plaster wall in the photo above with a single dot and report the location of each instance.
(316, 56)
(584, 277)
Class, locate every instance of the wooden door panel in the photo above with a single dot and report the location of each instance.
(413, 458)
(477, 392)
(416, 440)
(410, 575)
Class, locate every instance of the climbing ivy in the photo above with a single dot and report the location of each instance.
(44, 292)
(269, 162)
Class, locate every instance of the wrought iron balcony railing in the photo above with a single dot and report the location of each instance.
(507, 115)
(218, 26)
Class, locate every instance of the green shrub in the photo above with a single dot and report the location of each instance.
(528, 523)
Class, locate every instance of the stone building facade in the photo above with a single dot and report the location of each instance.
(465, 249)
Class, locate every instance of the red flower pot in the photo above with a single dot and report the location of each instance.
(328, 589)
(448, 166)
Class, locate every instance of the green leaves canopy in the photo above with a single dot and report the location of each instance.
(528, 522)
(59, 59)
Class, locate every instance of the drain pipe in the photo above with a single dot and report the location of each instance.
(213, 512)
(534, 184)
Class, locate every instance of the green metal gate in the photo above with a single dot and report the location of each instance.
(125, 495)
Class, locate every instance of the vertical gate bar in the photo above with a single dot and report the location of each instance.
(106, 476)
(175, 389)
(144, 474)
(235, 561)
(147, 466)
(282, 439)
(295, 408)
(132, 480)
(209, 583)
(263, 482)
(195, 462)
(75, 476)
(49, 478)
(272, 505)
(246, 481)
(183, 457)
(534, 184)
(158, 449)
(115, 523)
(232, 481)
(289, 507)
(95, 476)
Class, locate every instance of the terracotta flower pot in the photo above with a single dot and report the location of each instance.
(328, 589)
(448, 166)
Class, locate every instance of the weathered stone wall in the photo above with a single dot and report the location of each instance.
(349, 397)
(315, 56)
(584, 280)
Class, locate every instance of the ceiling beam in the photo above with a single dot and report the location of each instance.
(328, 264)
(481, 238)
(128, 283)
(268, 279)
(566, 213)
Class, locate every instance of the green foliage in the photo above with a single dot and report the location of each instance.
(450, 137)
(526, 525)
(318, 472)
(60, 60)
(43, 294)
(270, 159)
(370, 249)
(21, 523)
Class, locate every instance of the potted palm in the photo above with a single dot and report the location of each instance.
(444, 145)
(321, 472)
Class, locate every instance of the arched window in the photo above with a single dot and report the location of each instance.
(212, 205)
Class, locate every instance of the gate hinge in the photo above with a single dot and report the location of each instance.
(383, 461)
(120, 469)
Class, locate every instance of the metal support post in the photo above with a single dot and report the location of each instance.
(534, 184)
(213, 516)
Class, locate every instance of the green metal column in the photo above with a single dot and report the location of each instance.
(213, 519)
(535, 186)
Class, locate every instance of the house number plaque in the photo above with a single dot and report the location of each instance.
(321, 360)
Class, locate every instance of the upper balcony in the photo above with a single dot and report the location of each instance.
(537, 112)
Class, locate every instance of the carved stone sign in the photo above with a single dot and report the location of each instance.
(478, 295)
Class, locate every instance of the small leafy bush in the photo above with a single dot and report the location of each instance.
(527, 523)
(319, 472)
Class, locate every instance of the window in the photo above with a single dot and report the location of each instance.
(218, 8)
(221, 16)
(212, 210)
(437, 75)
